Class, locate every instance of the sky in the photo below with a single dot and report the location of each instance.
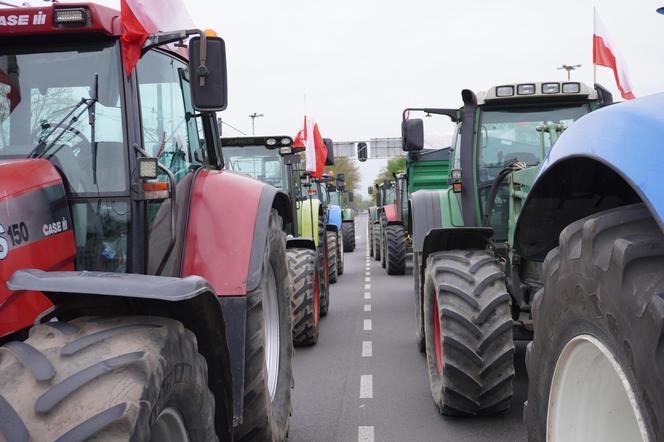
(355, 65)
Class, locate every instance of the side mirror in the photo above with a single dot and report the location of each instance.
(370, 191)
(341, 182)
(329, 161)
(207, 74)
(350, 197)
(362, 151)
(412, 133)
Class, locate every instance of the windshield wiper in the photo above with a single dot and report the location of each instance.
(87, 105)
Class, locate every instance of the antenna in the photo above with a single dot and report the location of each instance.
(569, 68)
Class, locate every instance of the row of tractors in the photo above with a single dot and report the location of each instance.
(533, 226)
(154, 275)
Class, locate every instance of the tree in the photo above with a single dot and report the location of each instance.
(394, 165)
(348, 167)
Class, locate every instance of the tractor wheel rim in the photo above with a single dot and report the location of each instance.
(438, 345)
(591, 397)
(168, 427)
(272, 332)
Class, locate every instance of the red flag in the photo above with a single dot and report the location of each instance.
(140, 18)
(315, 148)
(298, 142)
(604, 54)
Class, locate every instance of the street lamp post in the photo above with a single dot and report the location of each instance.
(253, 119)
(569, 68)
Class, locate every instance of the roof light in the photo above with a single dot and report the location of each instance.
(286, 141)
(571, 88)
(550, 88)
(504, 91)
(210, 33)
(525, 89)
(71, 16)
(271, 142)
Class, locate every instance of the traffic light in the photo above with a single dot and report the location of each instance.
(362, 151)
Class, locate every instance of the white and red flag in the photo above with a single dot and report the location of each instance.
(140, 18)
(315, 149)
(605, 54)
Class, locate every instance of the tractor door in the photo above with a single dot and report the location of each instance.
(173, 133)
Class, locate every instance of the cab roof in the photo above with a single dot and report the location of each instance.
(536, 91)
(60, 18)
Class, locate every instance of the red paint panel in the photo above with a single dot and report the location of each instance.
(222, 218)
(23, 182)
(391, 213)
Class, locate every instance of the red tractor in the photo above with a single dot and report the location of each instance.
(144, 290)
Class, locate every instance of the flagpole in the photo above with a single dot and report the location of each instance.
(594, 31)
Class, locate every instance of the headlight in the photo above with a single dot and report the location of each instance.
(525, 89)
(71, 16)
(571, 88)
(504, 91)
(550, 88)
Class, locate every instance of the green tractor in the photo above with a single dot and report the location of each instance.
(473, 291)
(274, 161)
(339, 196)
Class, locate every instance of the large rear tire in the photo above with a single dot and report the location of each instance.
(376, 242)
(332, 271)
(395, 261)
(321, 253)
(340, 253)
(417, 291)
(112, 378)
(596, 364)
(306, 303)
(268, 352)
(348, 231)
(468, 324)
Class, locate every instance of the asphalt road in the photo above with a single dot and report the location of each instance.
(366, 380)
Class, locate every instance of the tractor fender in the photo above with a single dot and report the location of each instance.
(334, 218)
(391, 214)
(301, 243)
(227, 229)
(608, 158)
(432, 209)
(190, 300)
(307, 211)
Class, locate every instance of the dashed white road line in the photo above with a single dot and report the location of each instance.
(367, 307)
(367, 295)
(367, 286)
(367, 279)
(366, 386)
(367, 349)
(367, 325)
(365, 434)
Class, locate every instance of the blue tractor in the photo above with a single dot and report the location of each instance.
(591, 235)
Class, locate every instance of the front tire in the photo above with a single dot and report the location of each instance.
(268, 372)
(468, 332)
(598, 332)
(376, 242)
(117, 378)
(305, 290)
(348, 231)
(395, 261)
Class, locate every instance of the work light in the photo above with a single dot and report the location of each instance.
(71, 16)
(504, 91)
(571, 88)
(525, 89)
(550, 88)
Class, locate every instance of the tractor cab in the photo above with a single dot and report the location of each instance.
(504, 132)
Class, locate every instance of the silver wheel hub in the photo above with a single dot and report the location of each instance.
(169, 427)
(272, 335)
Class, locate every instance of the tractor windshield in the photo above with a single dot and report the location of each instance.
(515, 134)
(335, 198)
(258, 162)
(38, 92)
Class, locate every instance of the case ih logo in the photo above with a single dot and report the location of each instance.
(23, 20)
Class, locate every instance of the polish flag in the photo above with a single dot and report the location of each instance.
(605, 54)
(316, 151)
(140, 18)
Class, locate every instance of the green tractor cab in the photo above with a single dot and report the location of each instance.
(473, 291)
